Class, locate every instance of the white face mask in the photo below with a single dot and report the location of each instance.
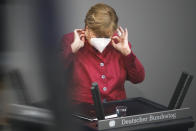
(100, 43)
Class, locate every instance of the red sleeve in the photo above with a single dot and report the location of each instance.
(135, 70)
(67, 53)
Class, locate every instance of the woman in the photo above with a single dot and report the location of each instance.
(100, 53)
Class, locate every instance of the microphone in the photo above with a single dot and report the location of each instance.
(97, 101)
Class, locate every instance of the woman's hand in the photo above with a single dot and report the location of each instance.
(79, 38)
(122, 42)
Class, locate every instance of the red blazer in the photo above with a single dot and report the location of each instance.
(109, 69)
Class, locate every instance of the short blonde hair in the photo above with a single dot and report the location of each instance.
(102, 20)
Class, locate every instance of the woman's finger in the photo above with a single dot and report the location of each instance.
(76, 31)
(81, 31)
(122, 31)
(118, 32)
(83, 39)
(114, 44)
(82, 35)
(116, 38)
(126, 33)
